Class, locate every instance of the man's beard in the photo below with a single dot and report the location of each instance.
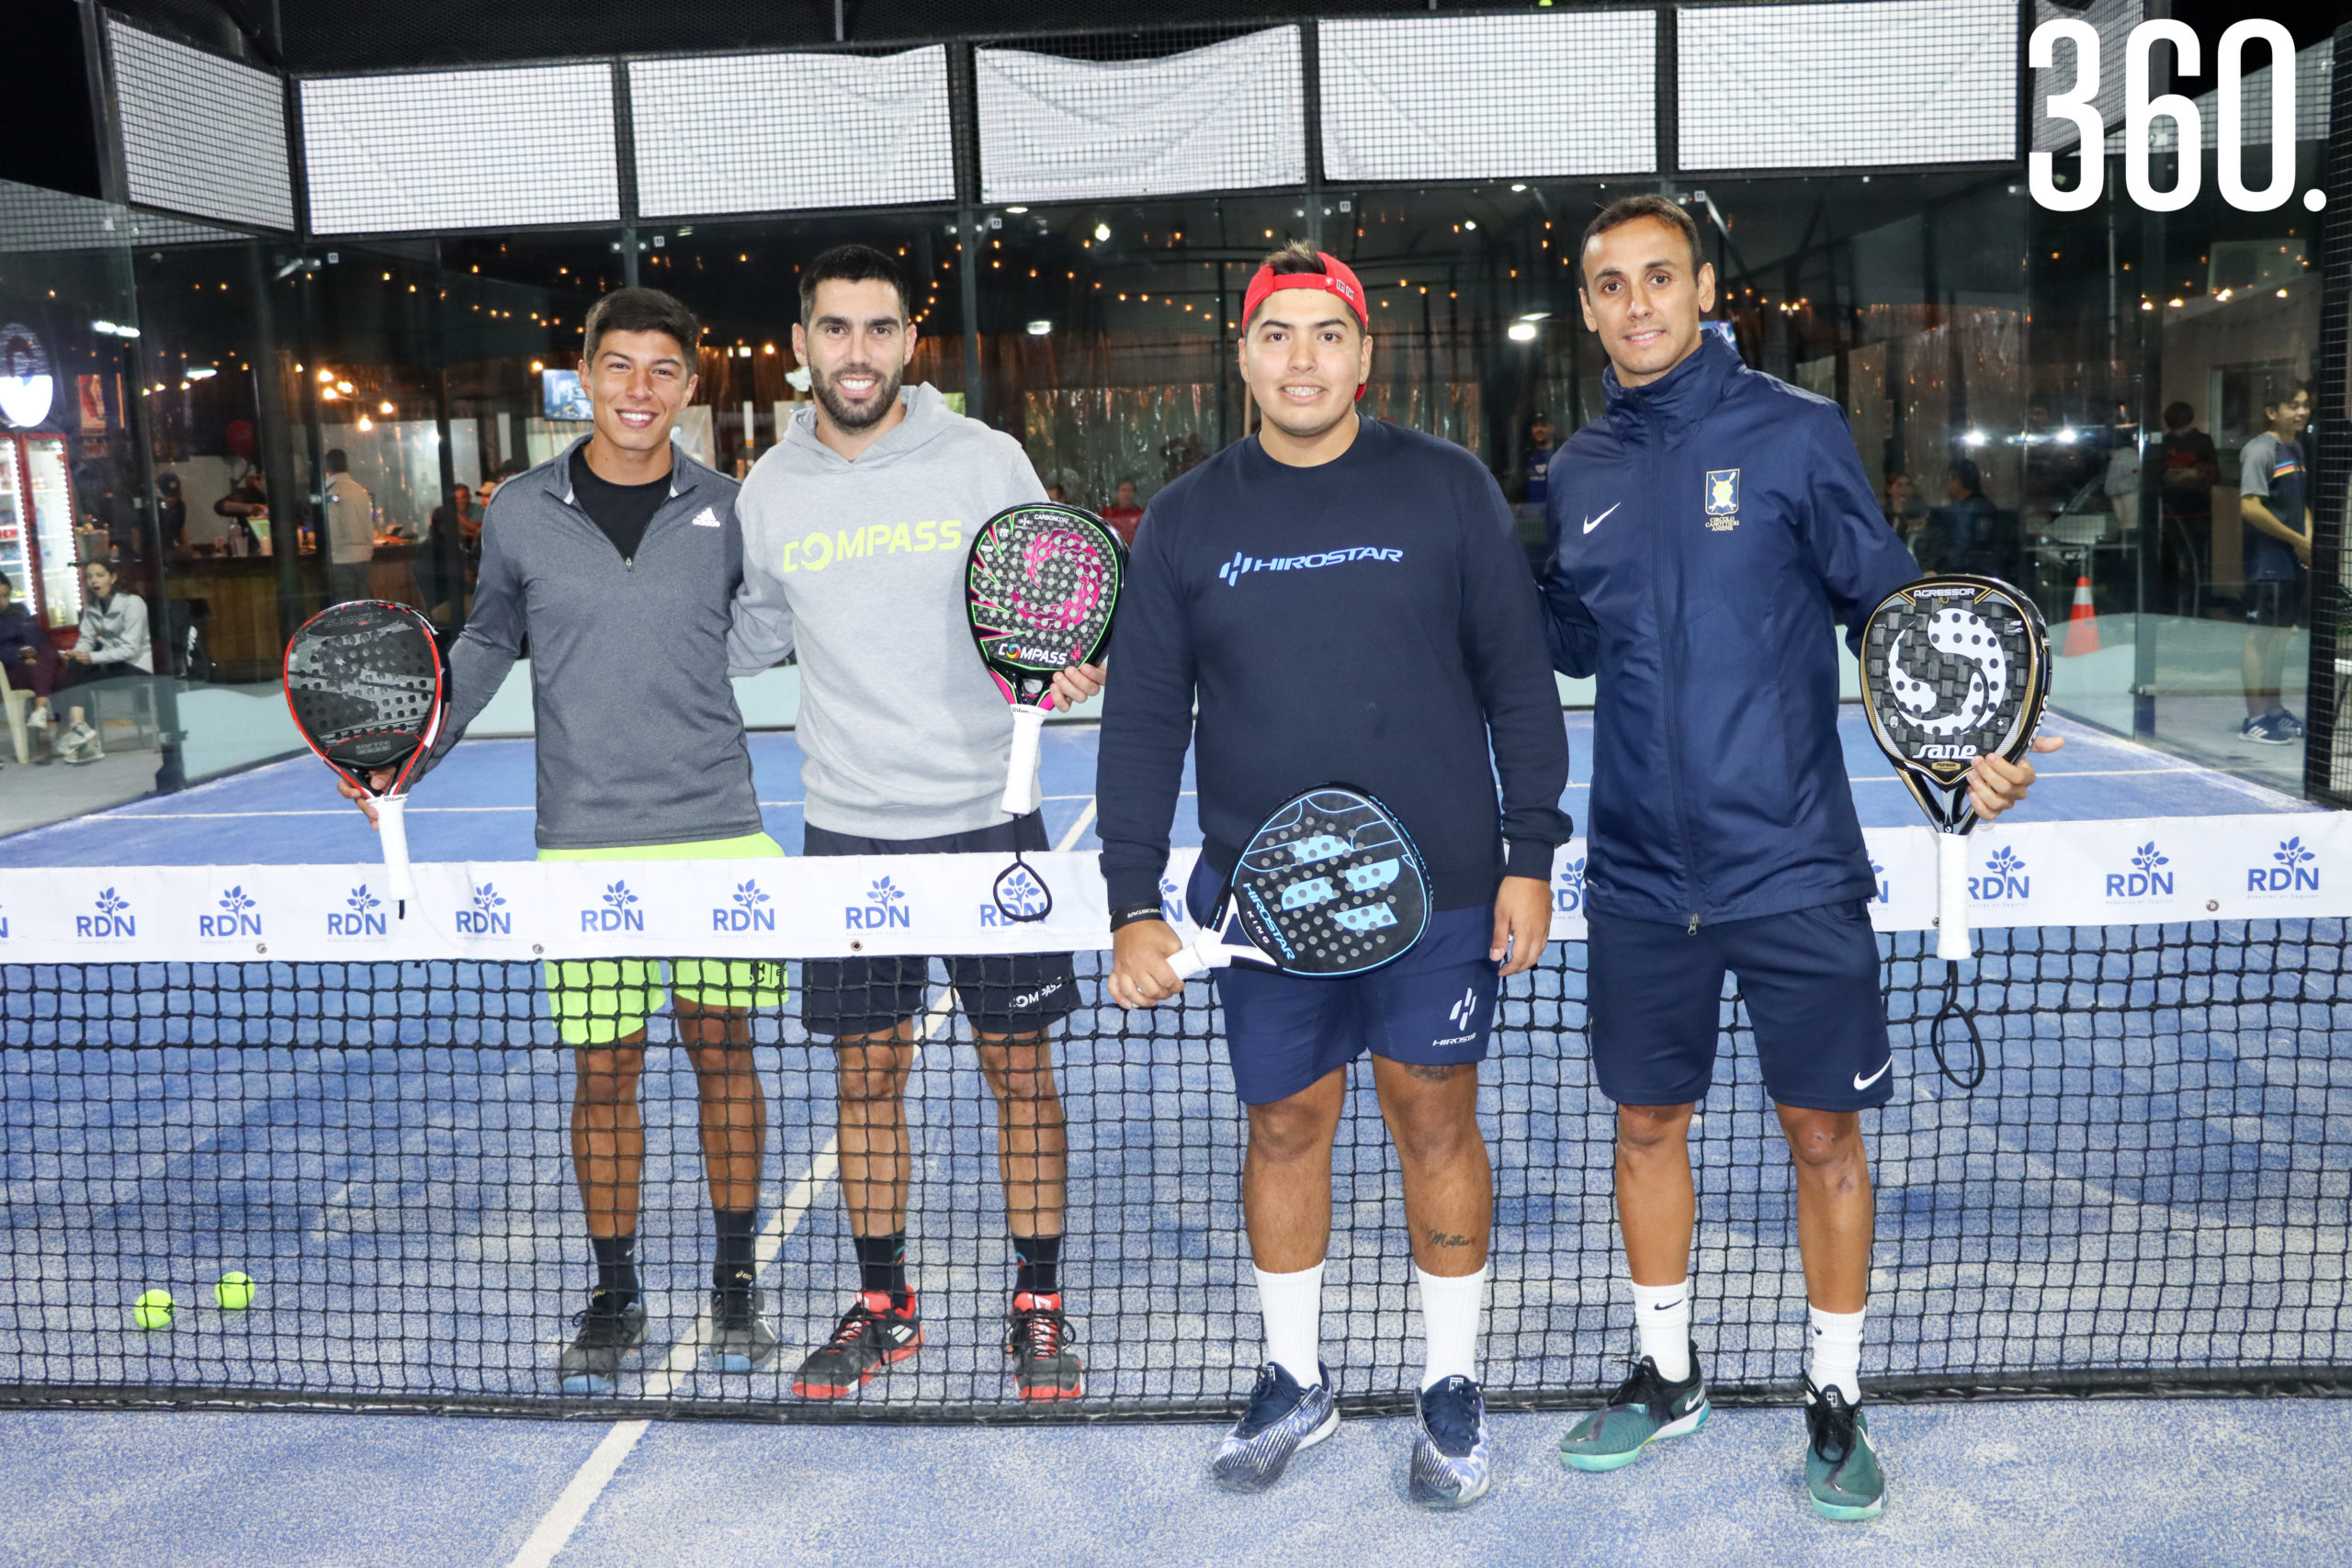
(849, 415)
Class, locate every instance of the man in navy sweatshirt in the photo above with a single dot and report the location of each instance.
(1706, 532)
(1346, 600)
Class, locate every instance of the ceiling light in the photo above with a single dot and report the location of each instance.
(1016, 210)
(1101, 231)
(1040, 329)
(1973, 438)
(1521, 331)
(201, 373)
(1469, 222)
(1519, 186)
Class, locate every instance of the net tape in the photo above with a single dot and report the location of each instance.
(2149, 1190)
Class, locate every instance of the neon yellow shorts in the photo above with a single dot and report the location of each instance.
(598, 1001)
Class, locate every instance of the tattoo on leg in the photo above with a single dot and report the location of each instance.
(1431, 1072)
(1446, 1238)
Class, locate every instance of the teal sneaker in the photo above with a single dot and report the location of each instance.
(1643, 1409)
(1842, 1469)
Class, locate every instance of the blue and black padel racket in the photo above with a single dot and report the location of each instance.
(1332, 885)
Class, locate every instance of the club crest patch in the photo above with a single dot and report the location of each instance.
(1723, 500)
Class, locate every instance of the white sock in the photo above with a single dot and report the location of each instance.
(1662, 1326)
(1451, 1305)
(1836, 1357)
(1292, 1307)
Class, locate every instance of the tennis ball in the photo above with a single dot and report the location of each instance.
(153, 1310)
(236, 1292)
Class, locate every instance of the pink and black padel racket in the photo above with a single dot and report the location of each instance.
(1041, 584)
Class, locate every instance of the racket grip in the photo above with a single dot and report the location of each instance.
(1187, 962)
(1020, 793)
(391, 825)
(1953, 944)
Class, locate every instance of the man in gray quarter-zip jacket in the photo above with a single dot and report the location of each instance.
(855, 528)
(640, 757)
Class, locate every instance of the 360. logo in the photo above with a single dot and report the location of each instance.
(2143, 109)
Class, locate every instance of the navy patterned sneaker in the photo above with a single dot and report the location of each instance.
(1645, 1409)
(1283, 1419)
(1842, 1469)
(1453, 1466)
(740, 1339)
(609, 1329)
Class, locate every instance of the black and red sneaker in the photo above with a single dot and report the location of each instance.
(1038, 1338)
(873, 1334)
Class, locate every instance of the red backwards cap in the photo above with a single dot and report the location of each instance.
(1336, 277)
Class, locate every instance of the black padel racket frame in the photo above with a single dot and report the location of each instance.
(369, 687)
(1331, 885)
(1041, 586)
(1954, 668)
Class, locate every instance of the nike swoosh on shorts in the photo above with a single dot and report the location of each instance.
(1862, 1082)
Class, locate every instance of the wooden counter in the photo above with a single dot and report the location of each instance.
(241, 593)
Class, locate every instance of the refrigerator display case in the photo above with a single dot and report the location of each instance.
(37, 526)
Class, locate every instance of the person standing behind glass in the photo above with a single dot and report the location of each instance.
(351, 531)
(2274, 504)
(171, 512)
(2192, 468)
(1906, 513)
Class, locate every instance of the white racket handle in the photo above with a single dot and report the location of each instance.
(1020, 793)
(1189, 959)
(392, 823)
(1951, 898)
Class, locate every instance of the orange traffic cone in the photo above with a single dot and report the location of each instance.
(2082, 623)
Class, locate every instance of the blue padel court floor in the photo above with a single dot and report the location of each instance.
(2043, 1219)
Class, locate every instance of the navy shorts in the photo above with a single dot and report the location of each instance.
(1001, 993)
(1811, 981)
(1283, 1033)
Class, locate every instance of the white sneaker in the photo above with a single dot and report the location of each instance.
(38, 719)
(81, 744)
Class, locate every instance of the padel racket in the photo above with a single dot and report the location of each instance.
(1954, 668)
(368, 687)
(1040, 584)
(1332, 885)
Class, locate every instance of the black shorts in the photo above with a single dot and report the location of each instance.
(2274, 604)
(1811, 977)
(1001, 993)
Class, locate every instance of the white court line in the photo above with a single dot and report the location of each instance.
(555, 1529)
(1078, 829)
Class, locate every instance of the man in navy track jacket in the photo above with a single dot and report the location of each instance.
(1706, 535)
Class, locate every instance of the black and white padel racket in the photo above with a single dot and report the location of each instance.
(1041, 584)
(1332, 885)
(368, 687)
(1952, 668)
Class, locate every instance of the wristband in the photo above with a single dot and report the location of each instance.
(1134, 912)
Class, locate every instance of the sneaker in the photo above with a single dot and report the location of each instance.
(607, 1332)
(1039, 1341)
(1842, 1469)
(740, 1339)
(2286, 723)
(1645, 1409)
(1281, 1419)
(1452, 1466)
(80, 744)
(2265, 731)
(871, 1335)
(37, 720)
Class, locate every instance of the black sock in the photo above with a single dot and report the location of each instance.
(615, 1266)
(1037, 1265)
(882, 1264)
(734, 1266)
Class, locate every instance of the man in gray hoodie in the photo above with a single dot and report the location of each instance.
(855, 526)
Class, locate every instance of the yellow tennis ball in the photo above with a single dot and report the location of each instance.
(236, 1292)
(153, 1309)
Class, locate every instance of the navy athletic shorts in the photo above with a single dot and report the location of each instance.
(1283, 1032)
(1005, 993)
(1811, 980)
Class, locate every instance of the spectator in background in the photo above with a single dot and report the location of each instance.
(2274, 504)
(1535, 469)
(171, 512)
(1964, 535)
(1055, 494)
(441, 564)
(351, 530)
(1906, 513)
(27, 661)
(112, 641)
(1123, 514)
(2185, 542)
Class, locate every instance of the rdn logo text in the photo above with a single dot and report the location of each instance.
(619, 914)
(886, 906)
(2146, 879)
(2294, 869)
(748, 914)
(2004, 878)
(238, 915)
(359, 915)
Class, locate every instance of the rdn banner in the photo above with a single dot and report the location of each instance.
(2143, 872)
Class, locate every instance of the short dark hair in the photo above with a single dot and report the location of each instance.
(2179, 413)
(2280, 391)
(1971, 477)
(1293, 255)
(9, 584)
(642, 310)
(851, 263)
(337, 461)
(1630, 208)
